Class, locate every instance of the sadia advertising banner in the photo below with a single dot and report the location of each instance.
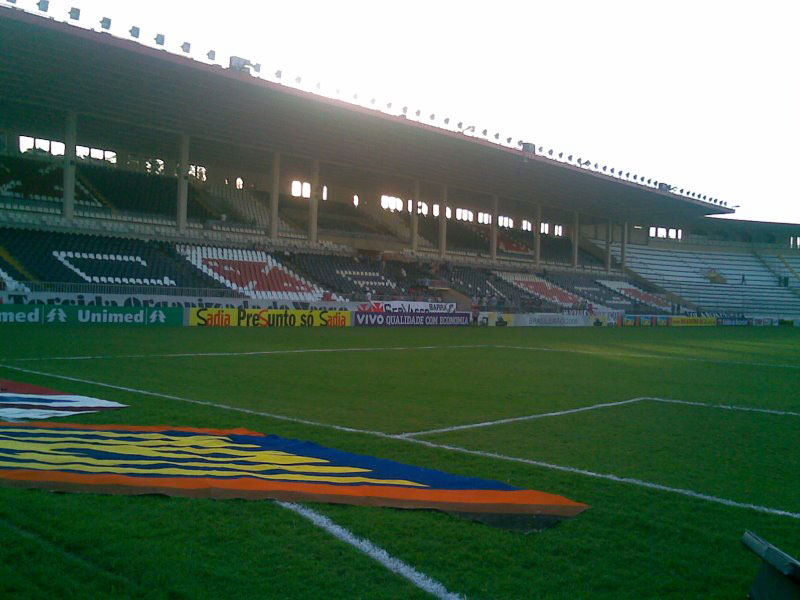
(254, 317)
(374, 319)
(693, 321)
(90, 315)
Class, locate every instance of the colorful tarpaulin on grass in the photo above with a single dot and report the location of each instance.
(20, 401)
(237, 463)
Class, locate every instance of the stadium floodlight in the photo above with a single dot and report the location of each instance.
(433, 116)
(299, 79)
(508, 140)
(418, 113)
(405, 110)
(211, 55)
(278, 74)
(134, 31)
(569, 158)
(604, 168)
(105, 23)
(447, 120)
(612, 170)
(160, 39)
(595, 165)
(648, 182)
(389, 106)
(186, 46)
(628, 175)
(550, 152)
(460, 125)
(319, 85)
(485, 132)
(43, 5)
(497, 136)
(75, 13)
(560, 155)
(372, 101)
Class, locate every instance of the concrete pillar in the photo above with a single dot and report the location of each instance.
(537, 241)
(576, 237)
(609, 229)
(443, 223)
(313, 203)
(70, 139)
(275, 196)
(183, 182)
(624, 245)
(415, 217)
(493, 229)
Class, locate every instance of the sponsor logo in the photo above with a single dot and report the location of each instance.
(244, 317)
(15, 314)
(56, 314)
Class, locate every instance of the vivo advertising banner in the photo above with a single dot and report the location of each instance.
(377, 319)
(90, 315)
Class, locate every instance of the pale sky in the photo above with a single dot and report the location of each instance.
(704, 95)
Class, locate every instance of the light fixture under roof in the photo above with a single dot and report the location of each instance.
(134, 31)
(75, 13)
(105, 23)
(186, 46)
(43, 5)
(160, 39)
(211, 55)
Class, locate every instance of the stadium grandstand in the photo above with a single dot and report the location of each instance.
(115, 178)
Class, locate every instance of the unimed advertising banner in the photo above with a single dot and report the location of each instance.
(372, 319)
(254, 317)
(89, 315)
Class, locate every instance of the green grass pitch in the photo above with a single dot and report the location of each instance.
(635, 542)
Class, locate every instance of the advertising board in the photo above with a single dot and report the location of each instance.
(90, 315)
(393, 319)
(254, 317)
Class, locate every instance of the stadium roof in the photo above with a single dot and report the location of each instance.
(131, 96)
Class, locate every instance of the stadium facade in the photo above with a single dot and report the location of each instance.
(126, 169)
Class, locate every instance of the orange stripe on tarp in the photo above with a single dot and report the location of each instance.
(534, 499)
(144, 428)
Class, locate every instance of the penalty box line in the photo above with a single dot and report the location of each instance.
(731, 407)
(248, 353)
(717, 361)
(493, 455)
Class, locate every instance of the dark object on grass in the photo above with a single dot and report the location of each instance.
(779, 576)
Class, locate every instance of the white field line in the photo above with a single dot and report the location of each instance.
(610, 477)
(250, 353)
(199, 402)
(517, 419)
(717, 361)
(395, 565)
(769, 411)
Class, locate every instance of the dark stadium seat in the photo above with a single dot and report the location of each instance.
(78, 258)
(141, 192)
(348, 276)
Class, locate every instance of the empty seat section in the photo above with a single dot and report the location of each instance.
(78, 258)
(253, 273)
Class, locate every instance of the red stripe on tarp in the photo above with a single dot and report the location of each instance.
(516, 501)
(17, 387)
